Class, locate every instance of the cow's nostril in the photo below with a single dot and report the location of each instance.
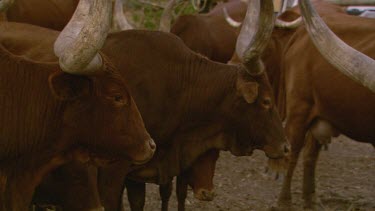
(286, 149)
(152, 144)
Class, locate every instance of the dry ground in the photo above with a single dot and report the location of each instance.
(345, 181)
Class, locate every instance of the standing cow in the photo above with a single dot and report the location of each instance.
(322, 102)
(315, 108)
(166, 163)
(52, 113)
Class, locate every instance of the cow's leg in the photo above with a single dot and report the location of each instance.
(181, 191)
(136, 194)
(310, 158)
(296, 128)
(165, 192)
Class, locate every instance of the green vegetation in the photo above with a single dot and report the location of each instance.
(145, 14)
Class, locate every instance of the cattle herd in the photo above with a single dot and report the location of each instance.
(90, 107)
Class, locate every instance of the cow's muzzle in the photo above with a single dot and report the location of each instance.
(150, 148)
(204, 195)
(278, 152)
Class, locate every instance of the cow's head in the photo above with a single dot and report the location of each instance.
(100, 114)
(200, 175)
(255, 119)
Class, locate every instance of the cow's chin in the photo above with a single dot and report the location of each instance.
(238, 151)
(141, 162)
(272, 157)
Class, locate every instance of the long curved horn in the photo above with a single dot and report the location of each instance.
(349, 61)
(5, 4)
(352, 2)
(289, 25)
(78, 44)
(279, 23)
(166, 17)
(230, 20)
(119, 21)
(254, 35)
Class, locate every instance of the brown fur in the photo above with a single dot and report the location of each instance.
(209, 34)
(53, 14)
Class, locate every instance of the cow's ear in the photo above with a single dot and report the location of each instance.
(68, 87)
(248, 90)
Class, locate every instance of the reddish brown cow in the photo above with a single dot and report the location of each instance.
(49, 116)
(322, 101)
(193, 106)
(315, 108)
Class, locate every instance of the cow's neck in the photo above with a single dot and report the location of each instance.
(207, 88)
(274, 60)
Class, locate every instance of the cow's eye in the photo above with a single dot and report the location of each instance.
(267, 103)
(119, 100)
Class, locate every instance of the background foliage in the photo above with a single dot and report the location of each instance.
(145, 14)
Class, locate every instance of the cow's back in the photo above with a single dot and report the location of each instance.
(210, 34)
(54, 14)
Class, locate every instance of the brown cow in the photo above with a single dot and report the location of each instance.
(322, 101)
(48, 116)
(315, 108)
(190, 105)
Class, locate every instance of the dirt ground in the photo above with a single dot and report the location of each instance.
(345, 181)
